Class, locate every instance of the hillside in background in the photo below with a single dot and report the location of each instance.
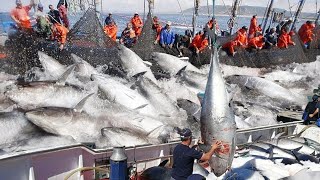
(245, 11)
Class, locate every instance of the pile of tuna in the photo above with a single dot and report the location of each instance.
(59, 104)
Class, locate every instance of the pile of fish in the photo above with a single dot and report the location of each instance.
(80, 103)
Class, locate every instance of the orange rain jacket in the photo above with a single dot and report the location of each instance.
(285, 40)
(157, 26)
(23, 16)
(306, 32)
(137, 25)
(253, 27)
(199, 42)
(256, 42)
(61, 33)
(111, 31)
(241, 38)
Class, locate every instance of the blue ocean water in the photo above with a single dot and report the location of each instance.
(180, 22)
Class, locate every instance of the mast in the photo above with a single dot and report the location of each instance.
(214, 25)
(267, 16)
(317, 20)
(151, 6)
(97, 6)
(233, 15)
(195, 16)
(297, 14)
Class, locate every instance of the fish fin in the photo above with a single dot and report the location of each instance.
(147, 63)
(79, 106)
(133, 86)
(181, 71)
(270, 151)
(76, 59)
(177, 129)
(297, 149)
(62, 80)
(313, 154)
(163, 163)
(140, 107)
(295, 154)
(102, 95)
(276, 137)
(136, 76)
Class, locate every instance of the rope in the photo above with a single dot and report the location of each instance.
(181, 11)
(290, 8)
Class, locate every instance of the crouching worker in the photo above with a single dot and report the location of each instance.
(313, 109)
(199, 43)
(60, 33)
(257, 42)
(167, 36)
(184, 156)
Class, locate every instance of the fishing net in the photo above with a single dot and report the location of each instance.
(88, 32)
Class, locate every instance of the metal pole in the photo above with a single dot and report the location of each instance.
(317, 20)
(194, 18)
(151, 6)
(214, 39)
(234, 14)
(297, 14)
(267, 17)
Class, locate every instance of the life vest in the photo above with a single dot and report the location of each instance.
(199, 42)
(241, 38)
(111, 31)
(137, 25)
(61, 33)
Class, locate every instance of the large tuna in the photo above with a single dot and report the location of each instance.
(217, 119)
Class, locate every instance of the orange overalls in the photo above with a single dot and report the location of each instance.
(199, 43)
(22, 15)
(253, 27)
(240, 40)
(306, 33)
(60, 33)
(111, 31)
(137, 25)
(285, 40)
(256, 42)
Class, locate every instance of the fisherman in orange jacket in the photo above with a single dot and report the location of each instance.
(284, 39)
(20, 15)
(306, 33)
(240, 40)
(253, 27)
(257, 42)
(210, 24)
(137, 24)
(60, 33)
(199, 42)
(157, 27)
(111, 30)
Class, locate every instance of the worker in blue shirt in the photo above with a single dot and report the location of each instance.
(184, 156)
(167, 36)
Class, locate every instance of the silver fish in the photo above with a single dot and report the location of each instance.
(217, 119)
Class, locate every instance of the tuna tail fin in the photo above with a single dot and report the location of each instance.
(163, 163)
(136, 76)
(140, 107)
(76, 59)
(80, 105)
(62, 80)
(147, 63)
(181, 71)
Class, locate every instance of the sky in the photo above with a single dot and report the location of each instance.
(169, 6)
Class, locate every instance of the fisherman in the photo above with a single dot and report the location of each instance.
(167, 36)
(253, 27)
(20, 15)
(214, 22)
(199, 43)
(54, 15)
(257, 42)
(306, 33)
(310, 109)
(60, 33)
(184, 156)
(271, 39)
(315, 114)
(240, 41)
(64, 14)
(128, 36)
(43, 28)
(111, 30)
(157, 27)
(109, 19)
(285, 39)
(284, 25)
(137, 24)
